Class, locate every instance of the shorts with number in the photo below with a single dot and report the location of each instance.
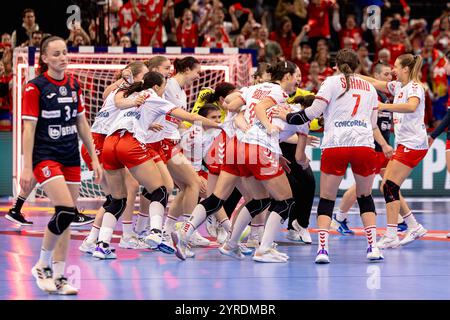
(335, 161)
(98, 140)
(46, 170)
(247, 160)
(121, 150)
(409, 157)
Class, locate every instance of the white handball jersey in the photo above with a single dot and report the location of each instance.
(137, 120)
(106, 116)
(196, 143)
(409, 128)
(176, 95)
(349, 120)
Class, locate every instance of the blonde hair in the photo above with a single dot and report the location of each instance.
(155, 62)
(414, 64)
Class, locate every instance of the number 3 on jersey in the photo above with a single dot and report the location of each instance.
(358, 99)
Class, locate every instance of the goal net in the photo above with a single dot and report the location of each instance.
(95, 71)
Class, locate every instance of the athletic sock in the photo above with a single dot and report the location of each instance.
(411, 220)
(391, 230)
(400, 219)
(226, 224)
(273, 225)
(371, 235)
(127, 229)
(169, 224)
(93, 234)
(323, 239)
(108, 225)
(240, 224)
(45, 257)
(19, 203)
(141, 222)
(341, 215)
(156, 211)
(58, 268)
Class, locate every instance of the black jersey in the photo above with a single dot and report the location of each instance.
(55, 105)
(384, 121)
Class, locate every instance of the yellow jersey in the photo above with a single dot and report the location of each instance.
(200, 103)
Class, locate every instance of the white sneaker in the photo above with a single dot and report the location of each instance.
(373, 253)
(44, 278)
(211, 225)
(387, 242)
(197, 240)
(87, 247)
(303, 233)
(245, 250)
(180, 244)
(322, 257)
(166, 245)
(293, 235)
(222, 235)
(104, 252)
(270, 255)
(281, 254)
(64, 288)
(132, 242)
(413, 234)
(154, 239)
(234, 252)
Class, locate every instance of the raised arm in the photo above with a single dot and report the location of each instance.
(124, 103)
(378, 84)
(409, 107)
(193, 117)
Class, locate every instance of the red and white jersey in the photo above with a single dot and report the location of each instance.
(196, 143)
(348, 120)
(106, 116)
(176, 95)
(137, 120)
(409, 128)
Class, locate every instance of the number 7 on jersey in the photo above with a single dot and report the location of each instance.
(358, 99)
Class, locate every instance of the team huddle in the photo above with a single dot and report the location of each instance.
(240, 150)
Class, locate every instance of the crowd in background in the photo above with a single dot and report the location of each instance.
(305, 32)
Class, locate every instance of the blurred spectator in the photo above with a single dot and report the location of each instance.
(128, 16)
(394, 38)
(322, 46)
(77, 36)
(187, 30)
(150, 15)
(239, 42)
(418, 29)
(319, 19)
(434, 74)
(23, 33)
(301, 53)
(261, 75)
(217, 37)
(268, 50)
(125, 41)
(365, 64)
(323, 60)
(6, 38)
(36, 39)
(284, 36)
(294, 9)
(216, 15)
(5, 99)
(313, 79)
(442, 33)
(351, 32)
(384, 55)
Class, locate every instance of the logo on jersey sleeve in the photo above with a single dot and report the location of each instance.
(63, 91)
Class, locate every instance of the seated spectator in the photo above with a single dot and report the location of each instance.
(125, 41)
(23, 33)
(365, 64)
(268, 50)
(6, 38)
(314, 80)
(294, 9)
(284, 36)
(187, 30)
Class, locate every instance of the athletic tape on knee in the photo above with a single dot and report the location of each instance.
(366, 204)
(255, 207)
(107, 201)
(212, 204)
(325, 207)
(61, 219)
(160, 195)
(391, 191)
(284, 208)
(117, 207)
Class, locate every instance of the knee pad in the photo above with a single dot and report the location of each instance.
(366, 204)
(61, 219)
(391, 191)
(284, 208)
(107, 201)
(146, 194)
(160, 195)
(255, 207)
(325, 207)
(212, 204)
(117, 207)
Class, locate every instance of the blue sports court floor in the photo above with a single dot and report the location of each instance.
(420, 270)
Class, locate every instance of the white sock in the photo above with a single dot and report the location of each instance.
(371, 234)
(93, 234)
(411, 221)
(156, 210)
(169, 224)
(198, 216)
(400, 218)
(58, 269)
(240, 224)
(45, 257)
(141, 222)
(391, 231)
(272, 229)
(323, 239)
(127, 229)
(341, 215)
(186, 216)
(108, 225)
(226, 224)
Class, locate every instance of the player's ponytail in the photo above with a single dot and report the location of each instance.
(185, 64)
(150, 80)
(43, 67)
(347, 62)
(222, 90)
(414, 64)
